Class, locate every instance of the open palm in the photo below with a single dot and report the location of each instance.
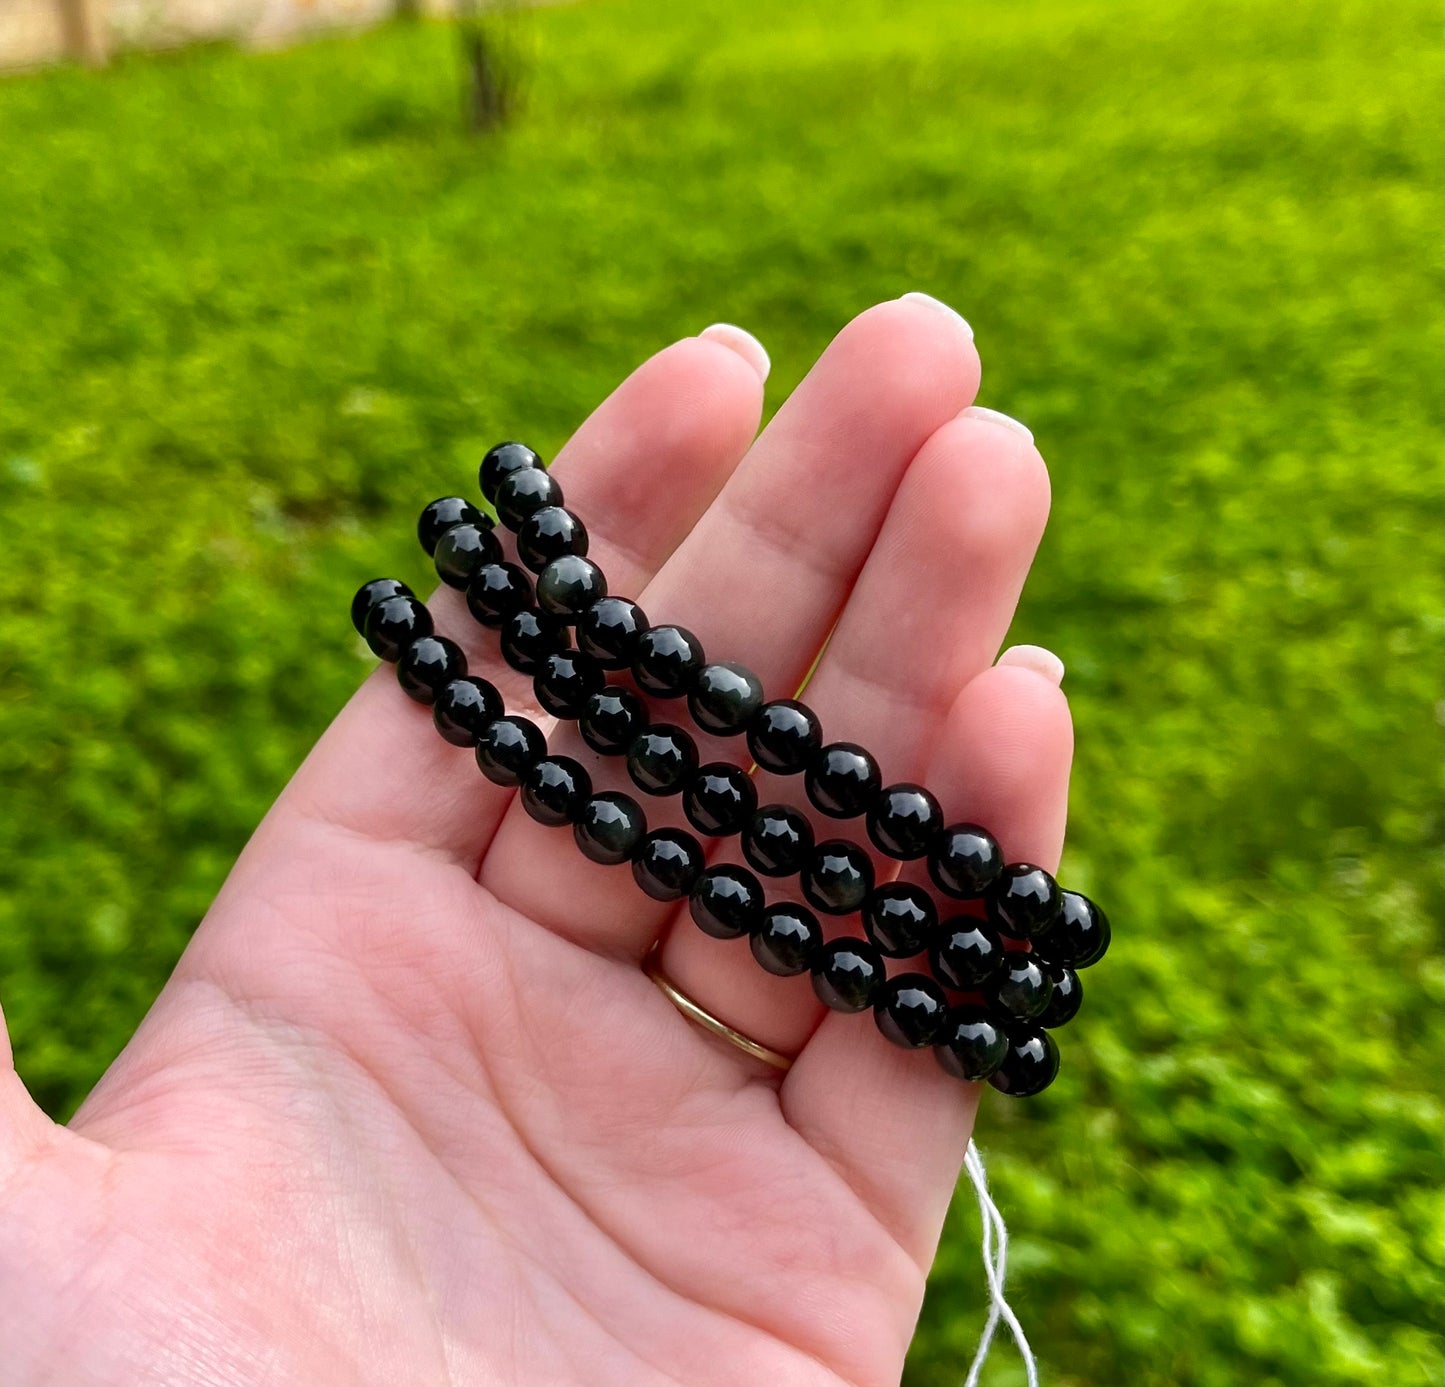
(409, 1111)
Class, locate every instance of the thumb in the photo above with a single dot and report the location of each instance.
(23, 1127)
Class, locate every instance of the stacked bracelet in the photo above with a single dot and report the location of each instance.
(1016, 968)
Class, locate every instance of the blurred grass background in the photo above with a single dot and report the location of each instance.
(257, 308)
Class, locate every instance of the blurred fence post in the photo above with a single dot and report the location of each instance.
(84, 30)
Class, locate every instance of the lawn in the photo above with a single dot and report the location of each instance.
(256, 308)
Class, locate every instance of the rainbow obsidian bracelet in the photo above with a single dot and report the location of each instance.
(1014, 972)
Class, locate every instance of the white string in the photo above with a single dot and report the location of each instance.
(994, 1267)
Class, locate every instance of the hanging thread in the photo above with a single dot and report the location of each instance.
(995, 1264)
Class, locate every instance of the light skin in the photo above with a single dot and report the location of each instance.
(409, 1111)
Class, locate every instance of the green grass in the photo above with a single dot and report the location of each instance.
(257, 308)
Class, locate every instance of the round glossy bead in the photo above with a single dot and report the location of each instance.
(899, 918)
(611, 720)
(972, 1045)
(524, 491)
(463, 709)
(1024, 901)
(719, 799)
(1030, 1063)
(549, 533)
(662, 759)
(785, 736)
(777, 840)
(666, 661)
(463, 551)
(508, 748)
(965, 861)
(528, 637)
(497, 591)
(848, 974)
(608, 631)
(837, 877)
(966, 954)
(369, 594)
(555, 790)
(910, 1010)
(725, 698)
(1020, 989)
(500, 462)
(843, 780)
(904, 821)
(609, 828)
(727, 901)
(394, 623)
(427, 665)
(667, 863)
(1065, 999)
(787, 939)
(569, 585)
(1079, 937)
(565, 681)
(446, 511)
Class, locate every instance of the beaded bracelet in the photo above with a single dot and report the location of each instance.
(725, 900)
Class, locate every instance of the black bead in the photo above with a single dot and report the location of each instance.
(787, 939)
(462, 551)
(843, 780)
(777, 840)
(568, 586)
(972, 1045)
(565, 681)
(1020, 989)
(964, 861)
(661, 760)
(549, 533)
(508, 748)
(526, 490)
(966, 954)
(847, 974)
(667, 863)
(394, 623)
(608, 631)
(904, 821)
(1065, 999)
(610, 827)
(555, 790)
(1030, 1063)
(725, 698)
(498, 590)
(899, 918)
(500, 462)
(528, 637)
(666, 661)
(727, 901)
(1079, 937)
(1024, 901)
(719, 799)
(910, 1010)
(370, 594)
(611, 720)
(463, 709)
(427, 664)
(446, 511)
(785, 736)
(838, 877)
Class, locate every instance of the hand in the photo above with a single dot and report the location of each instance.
(410, 1112)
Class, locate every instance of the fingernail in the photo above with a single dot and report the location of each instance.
(979, 412)
(916, 297)
(743, 343)
(1036, 658)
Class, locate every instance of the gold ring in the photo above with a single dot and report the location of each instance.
(707, 1020)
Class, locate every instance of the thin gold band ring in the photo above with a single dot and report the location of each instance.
(707, 1020)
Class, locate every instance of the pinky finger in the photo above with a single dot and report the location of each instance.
(891, 1122)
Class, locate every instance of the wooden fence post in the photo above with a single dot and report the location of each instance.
(84, 31)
